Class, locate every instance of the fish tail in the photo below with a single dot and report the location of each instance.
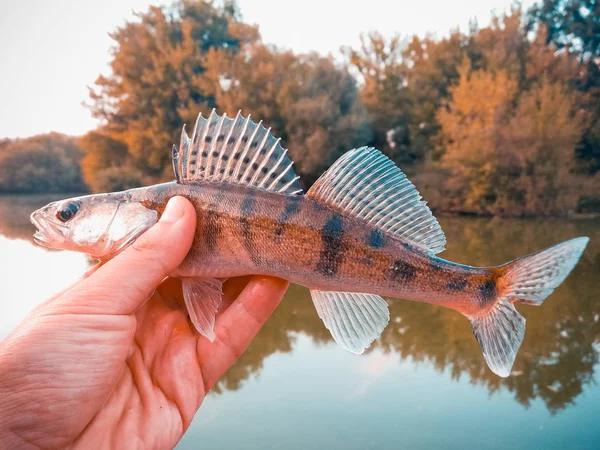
(500, 329)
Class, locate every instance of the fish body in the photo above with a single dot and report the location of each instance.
(360, 232)
(242, 230)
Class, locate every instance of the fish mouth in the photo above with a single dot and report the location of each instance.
(43, 231)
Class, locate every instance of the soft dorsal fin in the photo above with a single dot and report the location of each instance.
(365, 183)
(234, 150)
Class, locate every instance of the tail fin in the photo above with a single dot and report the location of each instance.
(530, 280)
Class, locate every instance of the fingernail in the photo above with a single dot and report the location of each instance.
(174, 211)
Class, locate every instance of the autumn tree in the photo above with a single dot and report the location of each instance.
(106, 162)
(307, 100)
(503, 44)
(382, 72)
(468, 124)
(539, 138)
(434, 67)
(194, 56)
(512, 159)
(155, 83)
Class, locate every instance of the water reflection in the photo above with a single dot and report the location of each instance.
(15, 211)
(557, 357)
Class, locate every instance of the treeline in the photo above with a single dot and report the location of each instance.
(45, 163)
(503, 119)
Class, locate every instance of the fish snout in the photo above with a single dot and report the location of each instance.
(45, 234)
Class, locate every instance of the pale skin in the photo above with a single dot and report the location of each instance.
(113, 361)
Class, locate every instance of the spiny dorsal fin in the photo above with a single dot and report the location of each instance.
(236, 151)
(367, 184)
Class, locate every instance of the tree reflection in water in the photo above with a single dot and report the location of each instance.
(557, 357)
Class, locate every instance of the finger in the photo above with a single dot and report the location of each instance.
(124, 283)
(232, 288)
(238, 325)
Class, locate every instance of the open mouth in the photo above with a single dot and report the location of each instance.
(43, 231)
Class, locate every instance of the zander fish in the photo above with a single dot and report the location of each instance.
(361, 231)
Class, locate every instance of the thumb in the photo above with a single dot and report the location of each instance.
(125, 282)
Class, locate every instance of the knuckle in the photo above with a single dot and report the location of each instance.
(145, 243)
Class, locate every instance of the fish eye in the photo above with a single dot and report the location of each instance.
(68, 211)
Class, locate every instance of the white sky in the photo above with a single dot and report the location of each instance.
(50, 51)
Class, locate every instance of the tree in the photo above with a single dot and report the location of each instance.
(511, 150)
(101, 152)
(383, 73)
(43, 163)
(571, 24)
(156, 82)
(540, 137)
(194, 56)
(307, 100)
(574, 27)
(502, 46)
(434, 67)
(468, 124)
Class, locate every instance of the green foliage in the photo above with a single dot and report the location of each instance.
(574, 27)
(43, 163)
(574, 24)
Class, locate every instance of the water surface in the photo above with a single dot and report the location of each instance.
(422, 385)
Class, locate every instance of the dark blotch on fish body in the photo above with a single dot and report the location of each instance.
(402, 271)
(376, 238)
(457, 284)
(332, 241)
(212, 227)
(247, 206)
(290, 209)
(487, 290)
(212, 231)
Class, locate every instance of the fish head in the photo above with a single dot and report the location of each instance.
(100, 225)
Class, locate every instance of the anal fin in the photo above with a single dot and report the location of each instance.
(202, 299)
(500, 332)
(354, 320)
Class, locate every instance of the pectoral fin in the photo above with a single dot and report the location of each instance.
(202, 298)
(354, 320)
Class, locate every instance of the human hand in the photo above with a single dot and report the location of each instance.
(98, 366)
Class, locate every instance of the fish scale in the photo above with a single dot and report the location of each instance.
(362, 231)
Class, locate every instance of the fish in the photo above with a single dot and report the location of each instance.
(360, 233)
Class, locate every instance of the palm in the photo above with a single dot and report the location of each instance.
(137, 380)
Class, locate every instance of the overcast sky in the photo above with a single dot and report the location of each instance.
(52, 50)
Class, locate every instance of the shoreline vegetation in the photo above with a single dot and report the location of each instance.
(501, 120)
